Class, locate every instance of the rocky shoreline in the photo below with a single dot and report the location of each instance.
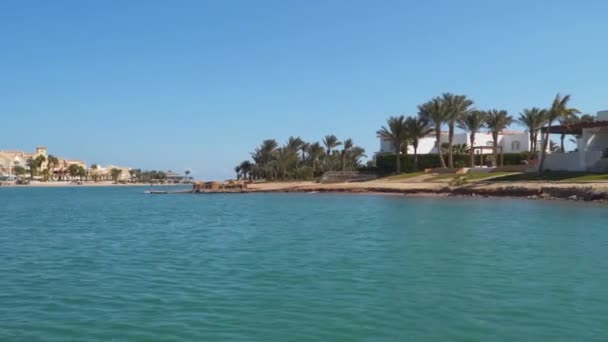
(528, 191)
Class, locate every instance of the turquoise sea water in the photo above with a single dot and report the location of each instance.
(102, 264)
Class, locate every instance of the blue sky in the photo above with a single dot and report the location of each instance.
(195, 84)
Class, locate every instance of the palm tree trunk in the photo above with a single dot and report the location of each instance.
(562, 143)
(543, 152)
(495, 149)
(471, 150)
(450, 142)
(532, 147)
(439, 152)
(415, 158)
(398, 158)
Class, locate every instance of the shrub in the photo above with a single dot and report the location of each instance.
(385, 163)
(303, 173)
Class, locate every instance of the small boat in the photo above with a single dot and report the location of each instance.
(156, 192)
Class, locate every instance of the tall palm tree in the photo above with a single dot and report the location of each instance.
(559, 109)
(263, 156)
(434, 112)
(456, 107)
(354, 156)
(417, 128)
(294, 144)
(472, 122)
(331, 141)
(264, 153)
(497, 121)
(395, 132)
(52, 162)
(348, 145)
(315, 151)
(533, 119)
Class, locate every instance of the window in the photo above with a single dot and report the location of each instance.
(515, 145)
(489, 143)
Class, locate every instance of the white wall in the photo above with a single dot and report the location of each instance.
(563, 162)
(426, 145)
(595, 139)
(509, 142)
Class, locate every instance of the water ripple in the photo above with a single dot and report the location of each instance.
(113, 264)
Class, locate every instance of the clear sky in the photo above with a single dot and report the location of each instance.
(196, 84)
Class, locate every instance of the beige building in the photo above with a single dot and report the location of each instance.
(10, 159)
(104, 173)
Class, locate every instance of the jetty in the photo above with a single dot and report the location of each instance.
(214, 187)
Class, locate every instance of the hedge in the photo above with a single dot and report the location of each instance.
(385, 163)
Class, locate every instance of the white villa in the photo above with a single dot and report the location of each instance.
(591, 152)
(510, 141)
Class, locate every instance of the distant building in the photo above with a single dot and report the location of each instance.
(174, 177)
(9, 159)
(104, 173)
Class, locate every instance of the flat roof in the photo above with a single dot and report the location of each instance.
(575, 128)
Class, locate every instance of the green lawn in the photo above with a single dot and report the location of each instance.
(471, 176)
(556, 176)
(403, 176)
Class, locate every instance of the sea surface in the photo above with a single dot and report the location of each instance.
(113, 264)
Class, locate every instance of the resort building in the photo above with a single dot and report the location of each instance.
(591, 152)
(175, 177)
(11, 159)
(509, 141)
(104, 173)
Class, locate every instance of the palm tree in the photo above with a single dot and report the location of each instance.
(114, 173)
(331, 141)
(434, 112)
(294, 144)
(237, 170)
(497, 121)
(568, 121)
(315, 151)
(559, 109)
(456, 107)
(263, 156)
(533, 119)
(417, 128)
(74, 170)
(348, 145)
(245, 168)
(264, 153)
(52, 162)
(472, 122)
(187, 173)
(35, 164)
(354, 156)
(397, 134)
(19, 170)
